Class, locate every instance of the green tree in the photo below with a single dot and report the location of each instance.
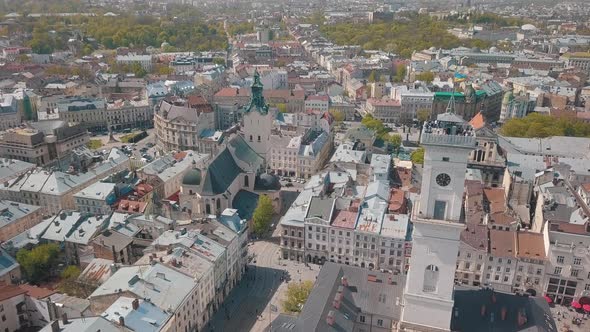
(540, 125)
(69, 283)
(339, 116)
(162, 69)
(426, 76)
(38, 262)
(138, 70)
(400, 73)
(417, 156)
(71, 272)
(395, 141)
(263, 213)
(376, 125)
(423, 114)
(297, 294)
(374, 77)
(219, 61)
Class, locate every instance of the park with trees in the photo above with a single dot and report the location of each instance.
(417, 32)
(541, 125)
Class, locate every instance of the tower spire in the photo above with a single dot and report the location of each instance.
(257, 100)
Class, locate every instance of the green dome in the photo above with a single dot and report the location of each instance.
(192, 177)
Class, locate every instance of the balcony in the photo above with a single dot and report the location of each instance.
(443, 139)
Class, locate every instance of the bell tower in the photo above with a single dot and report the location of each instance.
(258, 119)
(438, 222)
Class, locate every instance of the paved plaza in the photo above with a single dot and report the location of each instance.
(247, 308)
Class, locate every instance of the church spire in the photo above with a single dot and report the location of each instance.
(257, 100)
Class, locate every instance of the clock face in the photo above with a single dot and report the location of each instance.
(443, 179)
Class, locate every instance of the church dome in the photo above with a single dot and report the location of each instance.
(192, 177)
(267, 182)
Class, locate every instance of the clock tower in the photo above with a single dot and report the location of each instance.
(438, 222)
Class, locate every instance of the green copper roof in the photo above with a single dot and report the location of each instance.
(242, 151)
(458, 95)
(257, 101)
(245, 202)
(192, 177)
(220, 174)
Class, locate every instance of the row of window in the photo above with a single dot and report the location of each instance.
(577, 260)
(573, 272)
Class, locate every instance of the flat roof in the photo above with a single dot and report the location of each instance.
(156, 282)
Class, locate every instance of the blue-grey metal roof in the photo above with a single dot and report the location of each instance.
(245, 202)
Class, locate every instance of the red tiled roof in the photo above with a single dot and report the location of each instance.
(37, 292)
(319, 98)
(232, 92)
(180, 155)
(397, 200)
(475, 236)
(531, 245)
(477, 121)
(502, 243)
(131, 206)
(586, 187)
(496, 198)
(10, 291)
(344, 219)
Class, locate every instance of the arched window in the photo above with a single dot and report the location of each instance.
(246, 181)
(218, 204)
(430, 279)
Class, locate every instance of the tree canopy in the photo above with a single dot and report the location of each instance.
(426, 76)
(240, 28)
(395, 140)
(417, 156)
(263, 214)
(339, 116)
(297, 294)
(376, 125)
(540, 125)
(418, 33)
(38, 262)
(184, 30)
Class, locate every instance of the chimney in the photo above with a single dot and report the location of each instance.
(330, 318)
(121, 321)
(64, 318)
(55, 326)
(135, 304)
(344, 281)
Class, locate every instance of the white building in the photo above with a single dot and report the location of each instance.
(145, 61)
(55, 190)
(428, 298)
(412, 100)
(317, 102)
(96, 198)
(13, 313)
(159, 283)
